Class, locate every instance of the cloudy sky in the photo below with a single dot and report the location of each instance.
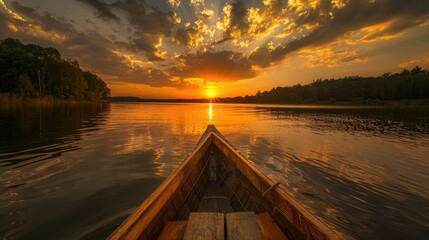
(188, 48)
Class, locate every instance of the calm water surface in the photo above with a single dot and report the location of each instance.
(77, 171)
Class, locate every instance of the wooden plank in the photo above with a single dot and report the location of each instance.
(224, 205)
(242, 225)
(208, 205)
(203, 225)
(215, 204)
(215, 200)
(269, 227)
(173, 230)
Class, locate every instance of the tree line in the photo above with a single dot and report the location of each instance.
(405, 85)
(33, 71)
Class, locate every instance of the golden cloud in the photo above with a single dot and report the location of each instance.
(12, 13)
(174, 3)
(130, 59)
(327, 57)
(422, 62)
(197, 2)
(207, 13)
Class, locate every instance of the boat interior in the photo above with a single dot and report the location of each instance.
(216, 205)
(217, 194)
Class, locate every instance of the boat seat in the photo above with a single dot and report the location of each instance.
(205, 225)
(209, 225)
(173, 230)
(215, 200)
(215, 204)
(243, 225)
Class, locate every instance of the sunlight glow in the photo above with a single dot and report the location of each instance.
(210, 111)
(210, 93)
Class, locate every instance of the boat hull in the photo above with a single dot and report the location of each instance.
(244, 186)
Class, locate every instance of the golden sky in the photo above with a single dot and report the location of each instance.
(193, 48)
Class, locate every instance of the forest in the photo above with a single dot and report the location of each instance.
(405, 85)
(31, 71)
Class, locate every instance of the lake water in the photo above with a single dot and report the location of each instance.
(76, 171)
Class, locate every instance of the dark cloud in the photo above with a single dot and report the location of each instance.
(221, 66)
(150, 76)
(240, 23)
(147, 44)
(357, 15)
(27, 11)
(147, 19)
(103, 10)
(94, 52)
(396, 27)
(147, 25)
(237, 19)
(46, 21)
(155, 78)
(262, 57)
(184, 36)
(4, 31)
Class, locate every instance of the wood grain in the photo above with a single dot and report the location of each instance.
(203, 225)
(173, 230)
(269, 227)
(243, 226)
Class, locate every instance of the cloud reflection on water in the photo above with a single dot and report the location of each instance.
(364, 170)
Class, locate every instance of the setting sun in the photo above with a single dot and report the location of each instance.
(210, 93)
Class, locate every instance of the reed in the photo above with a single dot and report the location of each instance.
(10, 101)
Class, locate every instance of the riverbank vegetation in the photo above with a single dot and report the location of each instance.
(33, 72)
(407, 86)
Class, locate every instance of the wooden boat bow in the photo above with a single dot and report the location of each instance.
(238, 188)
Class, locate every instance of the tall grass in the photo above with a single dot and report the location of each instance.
(10, 101)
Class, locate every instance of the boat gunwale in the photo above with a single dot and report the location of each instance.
(311, 218)
(147, 206)
(149, 209)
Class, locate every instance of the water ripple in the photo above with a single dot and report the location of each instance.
(82, 169)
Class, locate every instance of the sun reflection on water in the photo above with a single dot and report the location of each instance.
(344, 164)
(210, 112)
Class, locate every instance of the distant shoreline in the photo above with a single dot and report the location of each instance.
(365, 102)
(12, 99)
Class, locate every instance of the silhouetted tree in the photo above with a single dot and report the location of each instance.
(24, 87)
(408, 84)
(31, 70)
